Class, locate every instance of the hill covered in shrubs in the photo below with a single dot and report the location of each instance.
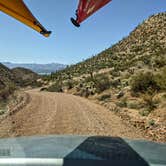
(25, 77)
(7, 85)
(139, 58)
(144, 47)
(12, 79)
(128, 78)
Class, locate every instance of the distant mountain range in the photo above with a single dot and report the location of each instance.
(37, 68)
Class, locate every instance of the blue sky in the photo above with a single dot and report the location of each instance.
(68, 44)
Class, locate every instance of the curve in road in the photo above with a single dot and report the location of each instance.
(59, 113)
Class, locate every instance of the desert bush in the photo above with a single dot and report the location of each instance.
(143, 82)
(104, 97)
(160, 61)
(99, 82)
(2, 112)
(134, 105)
(120, 95)
(3, 104)
(44, 89)
(151, 122)
(115, 109)
(102, 82)
(149, 101)
(56, 87)
(160, 79)
(89, 79)
(149, 82)
(115, 83)
(144, 112)
(85, 92)
(36, 84)
(122, 102)
(149, 104)
(69, 84)
(115, 73)
(146, 60)
(164, 96)
(7, 91)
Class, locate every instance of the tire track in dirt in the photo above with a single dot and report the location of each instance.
(58, 113)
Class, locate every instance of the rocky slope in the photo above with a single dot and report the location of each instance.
(6, 76)
(11, 79)
(144, 47)
(7, 84)
(129, 78)
(24, 77)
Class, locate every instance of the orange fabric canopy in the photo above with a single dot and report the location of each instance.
(18, 10)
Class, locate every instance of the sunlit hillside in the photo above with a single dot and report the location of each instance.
(129, 78)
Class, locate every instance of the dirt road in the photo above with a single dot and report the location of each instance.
(53, 113)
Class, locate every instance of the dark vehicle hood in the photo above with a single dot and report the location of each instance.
(95, 150)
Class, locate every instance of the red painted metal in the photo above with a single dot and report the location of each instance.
(87, 7)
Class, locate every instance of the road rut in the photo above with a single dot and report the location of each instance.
(59, 113)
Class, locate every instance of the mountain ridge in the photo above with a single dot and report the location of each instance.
(11, 79)
(128, 78)
(37, 68)
(146, 40)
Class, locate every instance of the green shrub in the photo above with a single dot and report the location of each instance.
(3, 104)
(85, 92)
(144, 112)
(56, 87)
(151, 122)
(149, 82)
(102, 82)
(122, 102)
(2, 112)
(7, 91)
(115, 83)
(36, 84)
(115, 109)
(144, 82)
(89, 79)
(104, 97)
(160, 79)
(44, 89)
(160, 61)
(91, 85)
(150, 103)
(115, 73)
(164, 96)
(69, 84)
(134, 105)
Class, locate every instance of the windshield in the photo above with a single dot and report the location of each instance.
(102, 73)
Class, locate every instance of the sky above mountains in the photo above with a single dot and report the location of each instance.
(68, 44)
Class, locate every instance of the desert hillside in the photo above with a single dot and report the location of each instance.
(7, 84)
(129, 78)
(145, 47)
(24, 77)
(12, 80)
